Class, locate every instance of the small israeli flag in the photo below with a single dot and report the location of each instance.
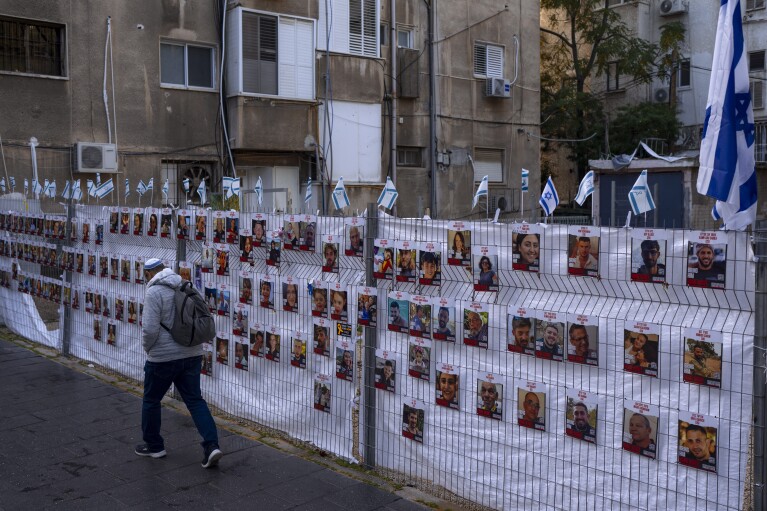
(340, 198)
(549, 198)
(26, 186)
(259, 189)
(187, 184)
(91, 188)
(67, 193)
(46, 185)
(141, 187)
(525, 180)
(51, 191)
(308, 195)
(201, 192)
(105, 188)
(77, 193)
(227, 186)
(586, 188)
(36, 188)
(150, 185)
(98, 179)
(127, 188)
(481, 192)
(2, 185)
(640, 197)
(165, 189)
(13, 183)
(388, 195)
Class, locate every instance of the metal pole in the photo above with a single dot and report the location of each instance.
(432, 11)
(393, 43)
(371, 342)
(612, 204)
(66, 330)
(760, 366)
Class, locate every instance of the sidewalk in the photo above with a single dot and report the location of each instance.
(68, 442)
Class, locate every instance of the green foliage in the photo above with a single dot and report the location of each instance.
(217, 202)
(669, 48)
(642, 121)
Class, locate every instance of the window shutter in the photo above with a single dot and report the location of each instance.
(757, 93)
(494, 61)
(480, 60)
(339, 26)
(488, 162)
(295, 59)
(369, 32)
(756, 61)
(259, 53)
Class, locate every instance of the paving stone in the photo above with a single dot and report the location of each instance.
(361, 497)
(141, 490)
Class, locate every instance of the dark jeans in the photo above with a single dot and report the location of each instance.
(185, 375)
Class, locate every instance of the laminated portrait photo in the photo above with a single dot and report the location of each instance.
(521, 329)
(583, 251)
(702, 357)
(698, 440)
(707, 259)
(383, 259)
(531, 405)
(526, 247)
(367, 306)
(640, 428)
(581, 415)
(641, 348)
(583, 339)
(648, 255)
(386, 370)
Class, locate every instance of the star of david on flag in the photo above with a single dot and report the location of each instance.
(549, 197)
(727, 164)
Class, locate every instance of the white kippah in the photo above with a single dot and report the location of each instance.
(153, 263)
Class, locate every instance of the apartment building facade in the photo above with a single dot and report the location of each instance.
(306, 88)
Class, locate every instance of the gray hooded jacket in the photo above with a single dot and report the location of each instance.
(159, 307)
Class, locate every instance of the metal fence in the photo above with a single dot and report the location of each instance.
(514, 365)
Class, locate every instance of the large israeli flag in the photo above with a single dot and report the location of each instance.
(586, 188)
(727, 169)
(388, 195)
(340, 198)
(549, 197)
(481, 192)
(640, 197)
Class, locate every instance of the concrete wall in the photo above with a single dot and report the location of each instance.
(148, 118)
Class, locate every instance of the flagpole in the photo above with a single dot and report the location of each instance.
(522, 206)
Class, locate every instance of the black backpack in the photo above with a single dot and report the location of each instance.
(192, 324)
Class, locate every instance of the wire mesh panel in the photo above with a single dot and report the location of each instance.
(514, 365)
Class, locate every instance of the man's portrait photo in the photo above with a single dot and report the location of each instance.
(640, 428)
(583, 341)
(550, 342)
(386, 371)
(583, 252)
(702, 360)
(531, 407)
(443, 327)
(521, 337)
(648, 260)
(475, 327)
(697, 441)
(706, 263)
(640, 348)
(490, 398)
(581, 416)
(412, 422)
(398, 311)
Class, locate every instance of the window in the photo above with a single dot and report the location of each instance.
(32, 47)
(488, 60)
(754, 4)
(187, 65)
(383, 34)
(756, 60)
(259, 53)
(270, 54)
(613, 77)
(176, 171)
(404, 37)
(760, 142)
(684, 78)
(409, 157)
(354, 26)
(756, 88)
(488, 162)
(610, 3)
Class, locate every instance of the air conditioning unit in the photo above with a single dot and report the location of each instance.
(660, 95)
(92, 157)
(503, 200)
(671, 7)
(497, 88)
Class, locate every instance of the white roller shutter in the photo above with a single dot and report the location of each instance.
(488, 162)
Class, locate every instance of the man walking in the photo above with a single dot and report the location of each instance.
(169, 362)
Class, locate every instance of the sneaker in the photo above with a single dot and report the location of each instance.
(212, 455)
(145, 450)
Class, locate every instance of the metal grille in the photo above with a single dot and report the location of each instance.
(31, 47)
